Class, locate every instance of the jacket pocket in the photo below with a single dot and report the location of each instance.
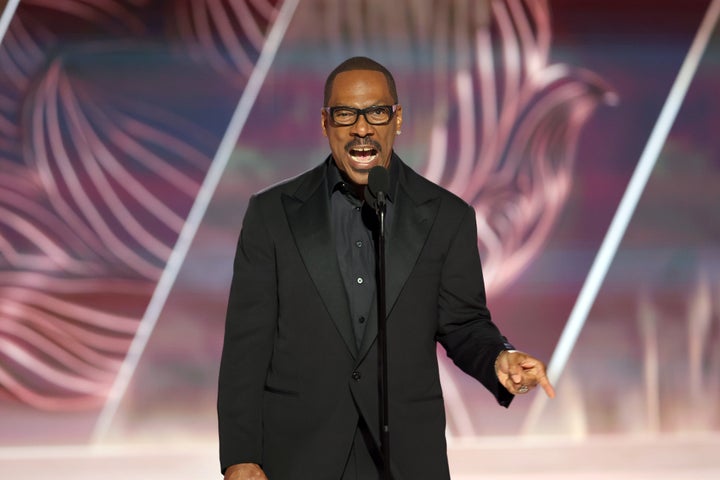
(281, 391)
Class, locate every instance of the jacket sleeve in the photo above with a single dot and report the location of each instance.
(249, 334)
(466, 330)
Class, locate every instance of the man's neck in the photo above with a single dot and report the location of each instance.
(354, 189)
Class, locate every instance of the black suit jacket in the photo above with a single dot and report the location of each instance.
(292, 381)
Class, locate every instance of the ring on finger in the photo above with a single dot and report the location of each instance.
(523, 389)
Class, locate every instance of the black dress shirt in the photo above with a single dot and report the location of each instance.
(355, 229)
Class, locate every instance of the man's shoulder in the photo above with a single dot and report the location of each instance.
(291, 185)
(422, 189)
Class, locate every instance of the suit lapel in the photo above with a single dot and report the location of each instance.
(413, 216)
(308, 213)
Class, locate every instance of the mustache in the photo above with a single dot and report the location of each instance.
(363, 142)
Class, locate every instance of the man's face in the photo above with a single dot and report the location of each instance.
(359, 147)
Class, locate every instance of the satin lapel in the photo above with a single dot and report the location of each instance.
(413, 216)
(308, 214)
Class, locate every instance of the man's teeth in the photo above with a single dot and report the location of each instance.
(363, 152)
(364, 156)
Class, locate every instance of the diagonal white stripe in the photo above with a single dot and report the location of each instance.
(167, 279)
(6, 17)
(627, 206)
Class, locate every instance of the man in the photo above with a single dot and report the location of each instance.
(298, 391)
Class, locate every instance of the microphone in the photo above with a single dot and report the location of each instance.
(377, 187)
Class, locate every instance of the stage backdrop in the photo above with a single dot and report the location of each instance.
(584, 133)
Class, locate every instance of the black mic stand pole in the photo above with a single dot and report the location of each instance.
(382, 342)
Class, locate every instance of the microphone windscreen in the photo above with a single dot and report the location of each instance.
(378, 180)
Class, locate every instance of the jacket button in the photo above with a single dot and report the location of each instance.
(356, 376)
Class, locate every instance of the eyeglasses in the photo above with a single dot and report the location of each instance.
(375, 115)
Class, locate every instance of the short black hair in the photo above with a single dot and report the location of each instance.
(359, 63)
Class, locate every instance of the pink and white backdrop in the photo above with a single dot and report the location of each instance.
(584, 133)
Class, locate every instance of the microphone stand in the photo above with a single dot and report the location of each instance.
(382, 341)
(375, 195)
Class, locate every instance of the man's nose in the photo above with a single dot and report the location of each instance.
(361, 128)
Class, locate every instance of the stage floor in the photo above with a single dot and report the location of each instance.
(498, 458)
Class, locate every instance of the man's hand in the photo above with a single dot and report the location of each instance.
(244, 471)
(520, 373)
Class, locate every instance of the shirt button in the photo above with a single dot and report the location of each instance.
(361, 319)
(356, 376)
(360, 280)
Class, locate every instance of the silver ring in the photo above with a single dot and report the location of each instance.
(523, 389)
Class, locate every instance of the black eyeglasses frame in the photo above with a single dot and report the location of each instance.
(361, 111)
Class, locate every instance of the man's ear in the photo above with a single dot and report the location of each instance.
(323, 122)
(398, 116)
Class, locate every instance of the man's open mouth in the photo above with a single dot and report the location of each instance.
(364, 154)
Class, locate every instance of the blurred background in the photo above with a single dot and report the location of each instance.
(132, 133)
